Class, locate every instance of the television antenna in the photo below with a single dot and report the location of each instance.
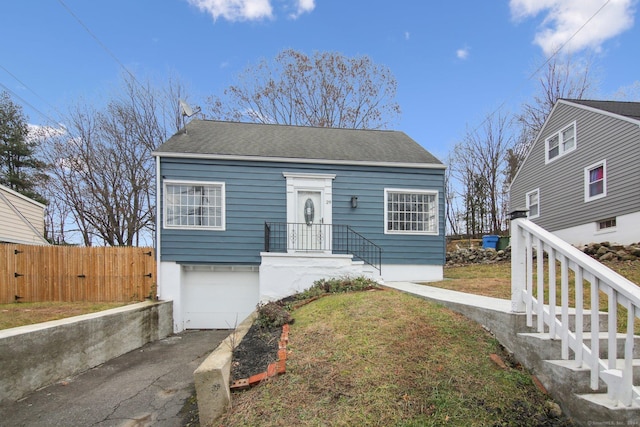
(186, 110)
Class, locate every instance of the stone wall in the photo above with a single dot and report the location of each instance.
(603, 251)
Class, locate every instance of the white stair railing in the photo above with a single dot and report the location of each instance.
(535, 256)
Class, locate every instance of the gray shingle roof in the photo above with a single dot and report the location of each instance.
(218, 138)
(622, 108)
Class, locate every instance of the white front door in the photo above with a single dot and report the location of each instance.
(309, 213)
(308, 230)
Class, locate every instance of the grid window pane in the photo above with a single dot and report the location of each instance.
(606, 223)
(194, 205)
(411, 212)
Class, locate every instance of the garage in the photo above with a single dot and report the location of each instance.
(218, 297)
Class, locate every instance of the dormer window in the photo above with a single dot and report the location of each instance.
(561, 143)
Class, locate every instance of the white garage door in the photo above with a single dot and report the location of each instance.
(218, 299)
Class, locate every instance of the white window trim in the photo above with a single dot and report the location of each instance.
(588, 198)
(412, 191)
(537, 191)
(223, 219)
(561, 152)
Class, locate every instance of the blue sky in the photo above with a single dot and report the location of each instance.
(455, 61)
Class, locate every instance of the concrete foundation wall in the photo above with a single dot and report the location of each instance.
(282, 274)
(34, 356)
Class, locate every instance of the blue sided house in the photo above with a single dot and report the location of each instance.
(254, 212)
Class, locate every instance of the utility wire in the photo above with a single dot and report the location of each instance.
(106, 49)
(553, 55)
(102, 45)
(54, 122)
(30, 90)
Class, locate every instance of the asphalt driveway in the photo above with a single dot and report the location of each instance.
(145, 387)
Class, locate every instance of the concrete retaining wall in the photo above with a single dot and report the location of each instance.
(34, 356)
(212, 376)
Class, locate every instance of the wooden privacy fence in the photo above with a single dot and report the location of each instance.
(73, 274)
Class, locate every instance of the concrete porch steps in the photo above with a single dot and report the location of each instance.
(566, 378)
(550, 348)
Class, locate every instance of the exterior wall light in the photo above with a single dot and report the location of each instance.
(354, 201)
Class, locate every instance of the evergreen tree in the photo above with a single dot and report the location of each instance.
(20, 170)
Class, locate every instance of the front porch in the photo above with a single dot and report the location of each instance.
(297, 254)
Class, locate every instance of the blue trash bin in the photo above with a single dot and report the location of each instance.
(490, 242)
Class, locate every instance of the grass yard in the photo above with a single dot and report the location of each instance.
(494, 280)
(385, 358)
(27, 313)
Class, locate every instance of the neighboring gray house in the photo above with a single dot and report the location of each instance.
(253, 212)
(581, 178)
(22, 219)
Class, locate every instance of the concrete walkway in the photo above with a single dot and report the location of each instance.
(455, 297)
(145, 387)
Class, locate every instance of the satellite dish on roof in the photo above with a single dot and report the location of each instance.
(186, 109)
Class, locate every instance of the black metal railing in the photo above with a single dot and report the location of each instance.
(333, 238)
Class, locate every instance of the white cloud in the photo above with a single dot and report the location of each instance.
(463, 53)
(235, 10)
(563, 20)
(41, 133)
(303, 6)
(251, 10)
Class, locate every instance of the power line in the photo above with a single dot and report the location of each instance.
(24, 101)
(554, 54)
(30, 90)
(103, 46)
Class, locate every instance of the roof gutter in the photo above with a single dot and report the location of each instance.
(298, 160)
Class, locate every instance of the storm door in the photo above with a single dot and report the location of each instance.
(309, 226)
(309, 212)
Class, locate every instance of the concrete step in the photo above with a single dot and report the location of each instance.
(551, 349)
(603, 320)
(578, 379)
(600, 407)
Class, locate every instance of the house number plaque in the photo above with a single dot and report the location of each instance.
(308, 211)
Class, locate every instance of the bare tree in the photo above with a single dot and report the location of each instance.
(102, 166)
(479, 167)
(325, 90)
(453, 214)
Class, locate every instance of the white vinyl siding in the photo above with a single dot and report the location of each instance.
(22, 218)
(595, 181)
(410, 211)
(194, 205)
(561, 143)
(533, 203)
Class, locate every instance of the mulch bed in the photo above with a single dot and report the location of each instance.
(256, 351)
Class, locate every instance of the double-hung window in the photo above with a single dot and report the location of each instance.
(195, 205)
(533, 203)
(595, 181)
(561, 143)
(410, 211)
